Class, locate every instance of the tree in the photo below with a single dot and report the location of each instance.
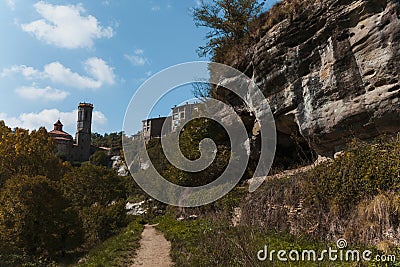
(98, 195)
(89, 185)
(24, 153)
(229, 21)
(189, 140)
(36, 219)
(101, 222)
(100, 158)
(112, 141)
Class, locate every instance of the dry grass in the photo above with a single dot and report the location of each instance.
(376, 221)
(357, 196)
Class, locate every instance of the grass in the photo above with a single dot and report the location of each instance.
(117, 250)
(356, 196)
(206, 243)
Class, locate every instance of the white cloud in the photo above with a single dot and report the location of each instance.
(58, 73)
(27, 72)
(155, 8)
(48, 117)
(139, 51)
(47, 93)
(138, 58)
(99, 71)
(11, 4)
(65, 26)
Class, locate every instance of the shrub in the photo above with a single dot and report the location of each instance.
(353, 196)
(35, 219)
(117, 250)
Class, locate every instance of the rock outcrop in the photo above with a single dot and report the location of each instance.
(331, 73)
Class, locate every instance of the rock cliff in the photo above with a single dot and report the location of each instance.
(331, 72)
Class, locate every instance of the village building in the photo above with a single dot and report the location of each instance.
(161, 126)
(152, 128)
(183, 113)
(80, 149)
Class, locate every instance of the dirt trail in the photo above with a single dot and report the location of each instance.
(154, 249)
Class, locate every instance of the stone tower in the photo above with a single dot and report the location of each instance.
(83, 132)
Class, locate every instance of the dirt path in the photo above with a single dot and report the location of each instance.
(154, 249)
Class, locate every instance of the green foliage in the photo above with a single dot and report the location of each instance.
(361, 188)
(24, 153)
(89, 184)
(189, 140)
(206, 242)
(101, 222)
(100, 158)
(361, 172)
(116, 250)
(36, 219)
(50, 209)
(112, 140)
(228, 20)
(355, 196)
(98, 194)
(231, 200)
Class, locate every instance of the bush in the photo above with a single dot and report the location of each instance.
(214, 242)
(363, 171)
(101, 222)
(35, 219)
(89, 184)
(117, 250)
(98, 195)
(100, 158)
(354, 196)
(49, 209)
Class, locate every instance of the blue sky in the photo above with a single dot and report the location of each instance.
(55, 54)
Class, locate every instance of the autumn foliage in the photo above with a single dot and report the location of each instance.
(49, 208)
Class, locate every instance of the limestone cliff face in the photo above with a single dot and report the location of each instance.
(333, 73)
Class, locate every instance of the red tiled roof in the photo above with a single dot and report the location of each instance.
(61, 134)
(62, 139)
(55, 132)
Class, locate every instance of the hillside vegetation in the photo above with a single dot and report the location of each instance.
(355, 197)
(50, 210)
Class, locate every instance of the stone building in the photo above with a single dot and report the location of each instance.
(183, 113)
(83, 132)
(153, 128)
(64, 141)
(80, 149)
